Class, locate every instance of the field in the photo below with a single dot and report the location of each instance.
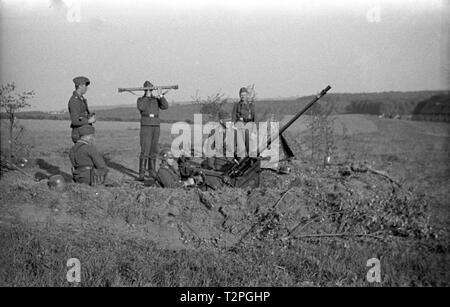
(314, 227)
(388, 103)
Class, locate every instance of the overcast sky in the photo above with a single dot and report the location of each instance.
(286, 48)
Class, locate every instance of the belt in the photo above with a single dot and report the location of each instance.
(150, 115)
(83, 168)
(76, 127)
(245, 120)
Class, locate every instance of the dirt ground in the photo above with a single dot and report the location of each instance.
(343, 200)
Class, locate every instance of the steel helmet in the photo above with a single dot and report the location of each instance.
(166, 154)
(284, 170)
(56, 182)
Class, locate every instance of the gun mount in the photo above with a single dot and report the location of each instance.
(246, 172)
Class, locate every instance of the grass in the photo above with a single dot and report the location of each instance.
(37, 257)
(35, 254)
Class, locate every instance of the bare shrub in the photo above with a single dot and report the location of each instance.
(12, 101)
(323, 143)
(210, 105)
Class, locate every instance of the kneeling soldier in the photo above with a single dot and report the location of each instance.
(88, 165)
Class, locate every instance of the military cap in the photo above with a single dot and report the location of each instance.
(81, 80)
(243, 90)
(86, 130)
(148, 84)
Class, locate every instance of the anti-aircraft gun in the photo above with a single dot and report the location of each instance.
(246, 172)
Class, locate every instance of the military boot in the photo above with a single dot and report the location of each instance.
(142, 166)
(152, 168)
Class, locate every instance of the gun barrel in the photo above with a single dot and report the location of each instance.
(296, 116)
(149, 88)
(241, 166)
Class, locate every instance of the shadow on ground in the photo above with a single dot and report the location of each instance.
(120, 168)
(51, 170)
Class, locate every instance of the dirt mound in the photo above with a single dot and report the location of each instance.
(336, 201)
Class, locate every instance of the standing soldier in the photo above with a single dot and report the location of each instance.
(88, 165)
(148, 106)
(78, 108)
(244, 112)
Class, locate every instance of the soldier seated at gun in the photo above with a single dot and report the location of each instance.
(88, 166)
(168, 175)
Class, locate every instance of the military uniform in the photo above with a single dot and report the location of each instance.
(150, 129)
(78, 109)
(168, 177)
(88, 166)
(244, 112)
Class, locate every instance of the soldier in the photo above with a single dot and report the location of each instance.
(78, 108)
(149, 107)
(220, 154)
(168, 175)
(244, 112)
(88, 165)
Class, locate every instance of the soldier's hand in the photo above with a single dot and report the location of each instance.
(92, 119)
(159, 92)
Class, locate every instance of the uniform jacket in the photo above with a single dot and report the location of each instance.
(79, 111)
(84, 154)
(243, 112)
(151, 105)
(168, 177)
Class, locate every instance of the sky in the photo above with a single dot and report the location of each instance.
(286, 48)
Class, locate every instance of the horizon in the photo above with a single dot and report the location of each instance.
(230, 100)
(286, 48)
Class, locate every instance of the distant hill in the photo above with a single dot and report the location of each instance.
(435, 108)
(389, 103)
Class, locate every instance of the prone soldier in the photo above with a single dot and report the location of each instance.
(149, 107)
(88, 166)
(78, 108)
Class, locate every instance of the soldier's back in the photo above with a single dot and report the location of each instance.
(168, 178)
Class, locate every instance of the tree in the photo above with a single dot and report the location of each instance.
(12, 101)
(210, 105)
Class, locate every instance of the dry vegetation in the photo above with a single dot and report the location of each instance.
(317, 226)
